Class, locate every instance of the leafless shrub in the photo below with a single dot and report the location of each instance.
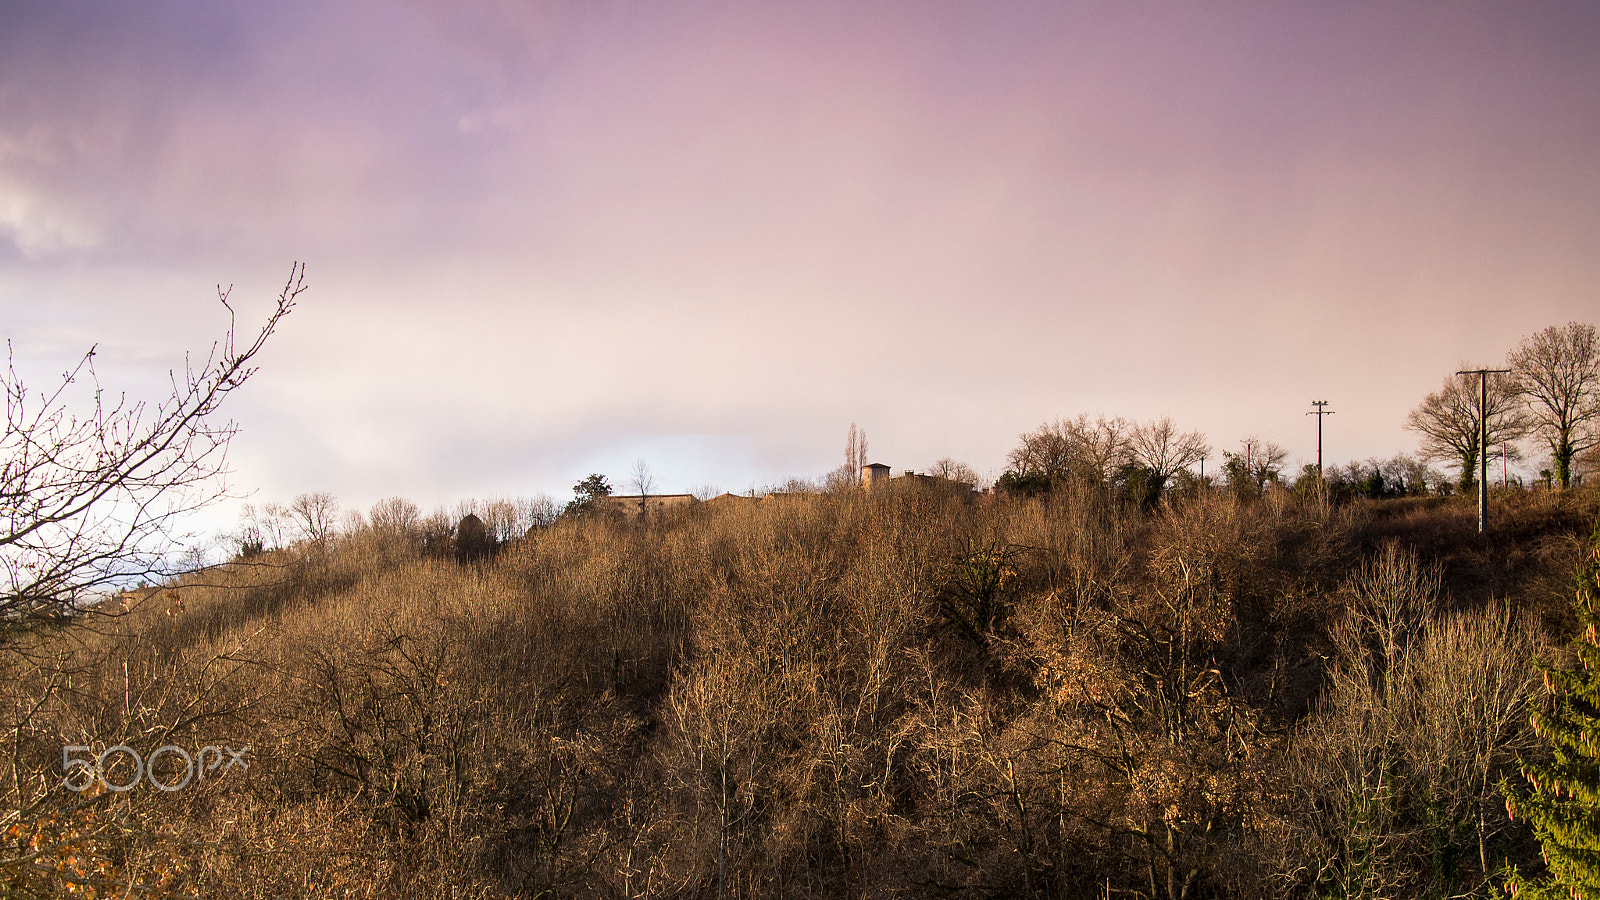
(762, 699)
(1422, 713)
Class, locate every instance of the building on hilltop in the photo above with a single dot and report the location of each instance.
(631, 505)
(874, 474)
(730, 499)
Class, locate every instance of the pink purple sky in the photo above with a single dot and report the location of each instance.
(548, 239)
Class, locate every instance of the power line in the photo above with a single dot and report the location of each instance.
(1319, 412)
(1483, 442)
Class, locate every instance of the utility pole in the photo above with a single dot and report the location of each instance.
(1319, 412)
(1483, 442)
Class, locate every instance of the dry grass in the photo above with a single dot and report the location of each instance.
(772, 699)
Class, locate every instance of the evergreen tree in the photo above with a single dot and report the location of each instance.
(587, 495)
(1564, 804)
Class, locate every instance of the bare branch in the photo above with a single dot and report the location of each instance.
(89, 494)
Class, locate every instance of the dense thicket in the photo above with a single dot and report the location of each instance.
(899, 693)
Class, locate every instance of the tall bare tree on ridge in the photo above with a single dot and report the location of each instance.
(1558, 372)
(1448, 421)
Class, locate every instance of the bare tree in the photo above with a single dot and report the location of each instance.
(1103, 446)
(1045, 452)
(395, 517)
(1092, 449)
(509, 518)
(1448, 421)
(536, 512)
(1409, 475)
(353, 522)
(855, 449)
(89, 493)
(848, 475)
(437, 530)
(1159, 446)
(644, 482)
(314, 515)
(1257, 463)
(1558, 373)
(952, 470)
(502, 519)
(263, 527)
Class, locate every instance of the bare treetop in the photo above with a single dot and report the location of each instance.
(1558, 373)
(1161, 448)
(1092, 448)
(1448, 421)
(855, 449)
(92, 483)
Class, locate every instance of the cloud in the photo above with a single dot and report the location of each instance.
(39, 227)
(560, 231)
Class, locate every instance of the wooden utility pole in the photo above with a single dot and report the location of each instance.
(1483, 442)
(1319, 412)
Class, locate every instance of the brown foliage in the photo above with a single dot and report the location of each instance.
(770, 699)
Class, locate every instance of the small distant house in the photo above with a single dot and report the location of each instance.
(874, 474)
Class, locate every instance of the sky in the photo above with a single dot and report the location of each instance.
(549, 239)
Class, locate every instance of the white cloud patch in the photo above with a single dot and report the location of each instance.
(38, 220)
(40, 226)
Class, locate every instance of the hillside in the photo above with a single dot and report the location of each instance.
(896, 693)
